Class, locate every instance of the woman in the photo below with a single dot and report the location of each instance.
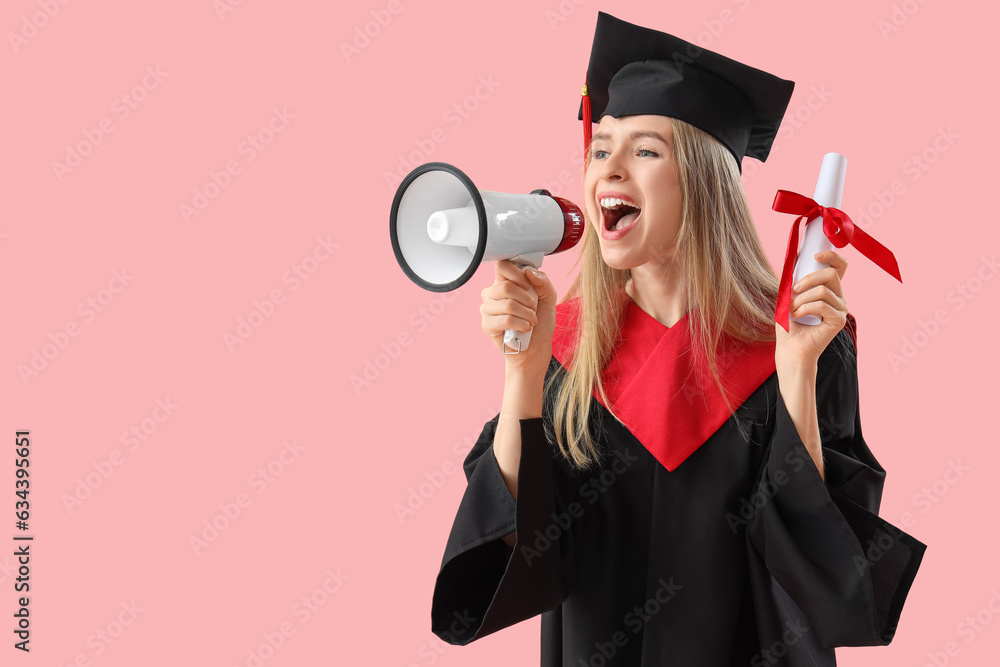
(673, 478)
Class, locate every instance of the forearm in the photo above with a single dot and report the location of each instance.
(522, 399)
(797, 384)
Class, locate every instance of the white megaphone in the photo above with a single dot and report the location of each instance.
(443, 227)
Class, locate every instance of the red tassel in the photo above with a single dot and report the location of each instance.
(588, 129)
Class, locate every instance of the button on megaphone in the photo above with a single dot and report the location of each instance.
(443, 227)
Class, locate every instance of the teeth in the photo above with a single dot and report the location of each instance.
(613, 202)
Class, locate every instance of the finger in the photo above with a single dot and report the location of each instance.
(495, 325)
(834, 259)
(823, 310)
(507, 270)
(507, 289)
(818, 293)
(828, 276)
(543, 286)
(511, 308)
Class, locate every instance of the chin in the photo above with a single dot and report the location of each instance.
(618, 261)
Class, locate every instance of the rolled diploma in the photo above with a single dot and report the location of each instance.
(829, 192)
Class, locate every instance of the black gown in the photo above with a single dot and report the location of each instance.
(740, 555)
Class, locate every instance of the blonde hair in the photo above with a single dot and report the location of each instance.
(727, 278)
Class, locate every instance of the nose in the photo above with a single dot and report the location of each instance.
(613, 167)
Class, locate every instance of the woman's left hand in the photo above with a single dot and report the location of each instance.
(819, 293)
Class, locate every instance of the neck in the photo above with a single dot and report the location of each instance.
(658, 288)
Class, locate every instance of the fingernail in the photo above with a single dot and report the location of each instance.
(796, 286)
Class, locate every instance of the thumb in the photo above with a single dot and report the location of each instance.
(541, 283)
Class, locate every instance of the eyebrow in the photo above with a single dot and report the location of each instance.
(636, 134)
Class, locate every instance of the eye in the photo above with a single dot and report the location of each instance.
(596, 153)
(648, 152)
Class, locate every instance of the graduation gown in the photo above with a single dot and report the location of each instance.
(702, 538)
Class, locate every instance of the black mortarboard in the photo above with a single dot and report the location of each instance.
(635, 70)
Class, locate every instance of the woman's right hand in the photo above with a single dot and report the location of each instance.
(523, 301)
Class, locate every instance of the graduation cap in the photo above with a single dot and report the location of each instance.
(635, 70)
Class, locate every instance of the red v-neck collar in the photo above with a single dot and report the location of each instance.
(667, 402)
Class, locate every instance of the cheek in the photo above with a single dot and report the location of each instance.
(589, 205)
(589, 184)
(669, 201)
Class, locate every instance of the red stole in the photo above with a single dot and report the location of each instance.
(671, 406)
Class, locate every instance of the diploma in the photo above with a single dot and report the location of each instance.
(827, 227)
(829, 192)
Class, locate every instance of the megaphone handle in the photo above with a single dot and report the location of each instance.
(518, 340)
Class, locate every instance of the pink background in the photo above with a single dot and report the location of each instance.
(925, 87)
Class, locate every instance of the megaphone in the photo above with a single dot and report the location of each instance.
(443, 227)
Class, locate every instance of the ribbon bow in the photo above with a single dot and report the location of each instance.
(838, 227)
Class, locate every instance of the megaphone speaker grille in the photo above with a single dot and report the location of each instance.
(433, 187)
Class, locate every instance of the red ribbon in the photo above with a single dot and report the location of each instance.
(838, 227)
(588, 127)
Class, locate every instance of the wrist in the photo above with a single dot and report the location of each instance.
(522, 371)
(796, 368)
(522, 395)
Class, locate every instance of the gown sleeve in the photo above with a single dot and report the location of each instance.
(818, 549)
(484, 584)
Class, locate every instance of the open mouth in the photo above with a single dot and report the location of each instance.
(618, 214)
